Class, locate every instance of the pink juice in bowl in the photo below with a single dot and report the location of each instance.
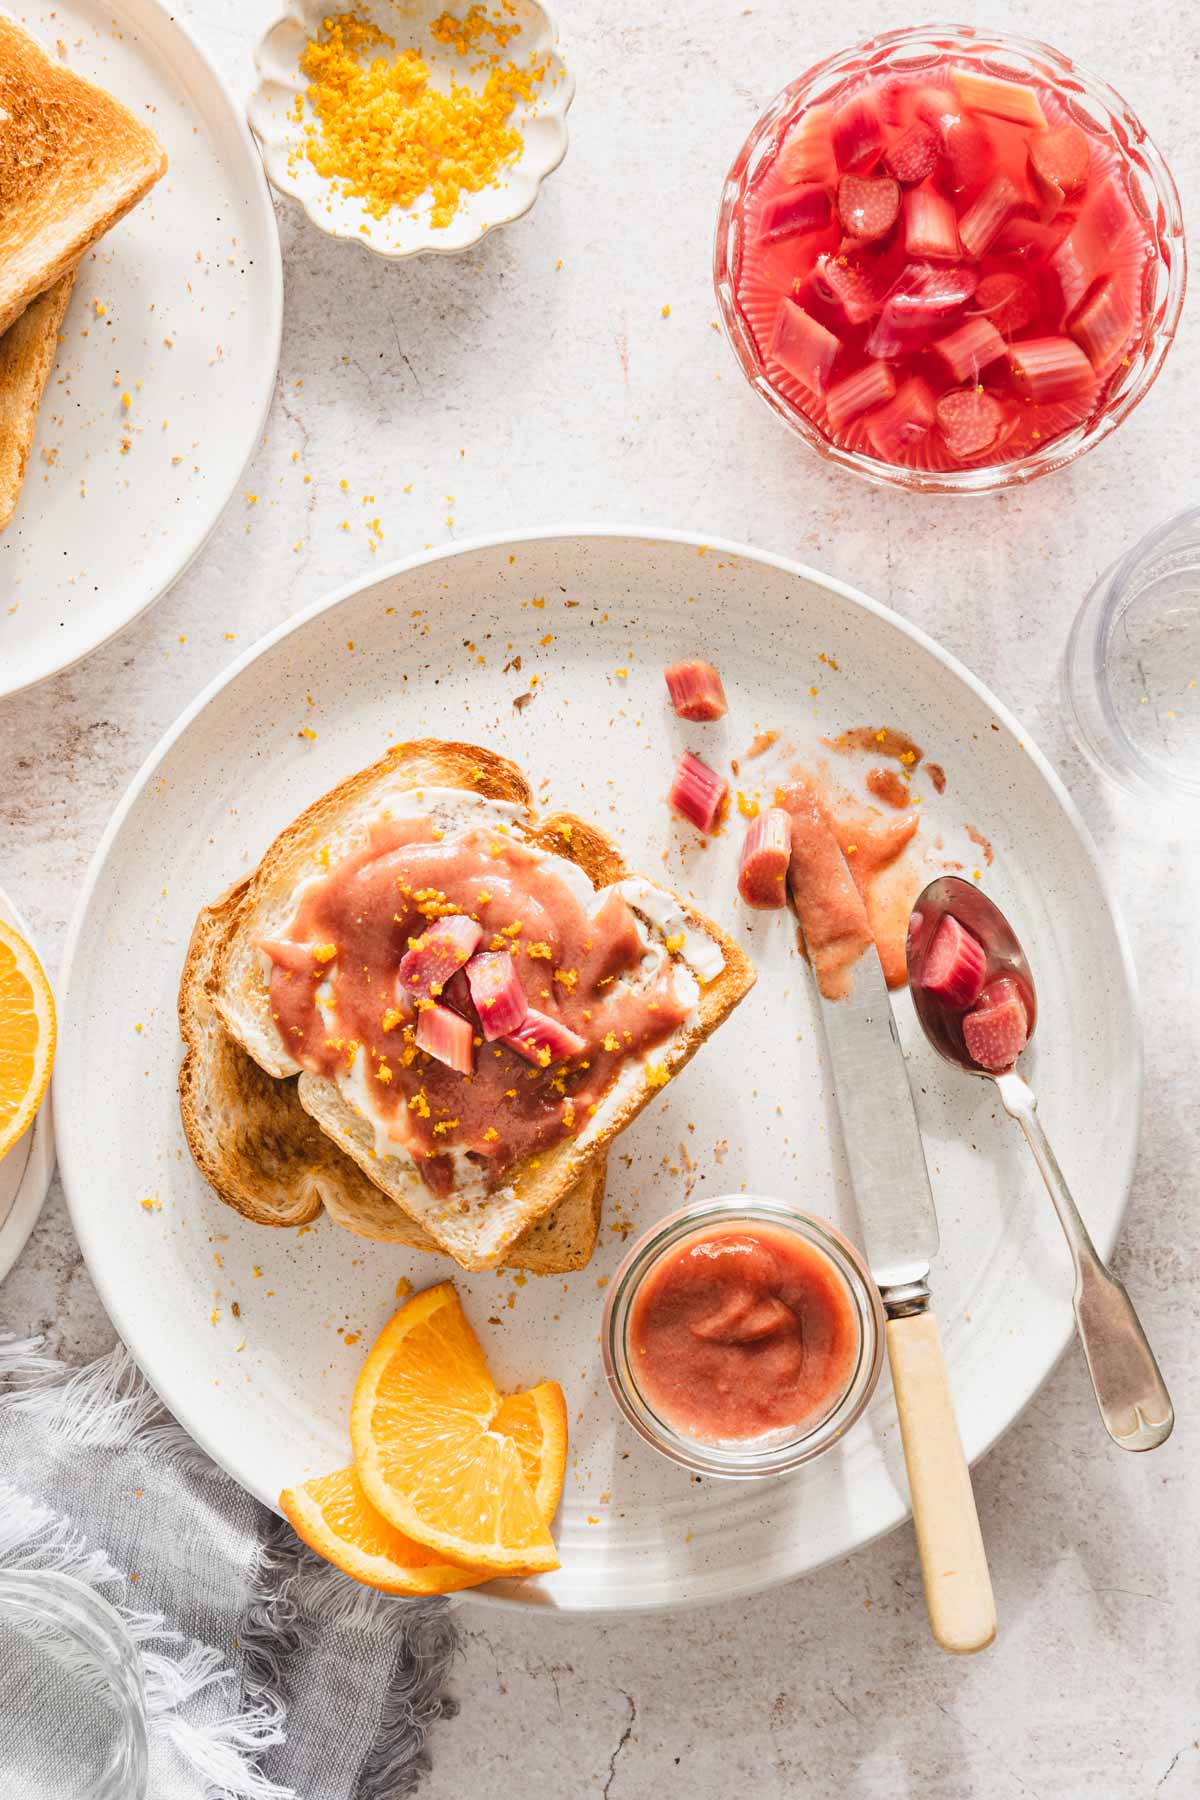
(950, 262)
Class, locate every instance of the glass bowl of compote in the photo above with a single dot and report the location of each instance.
(950, 259)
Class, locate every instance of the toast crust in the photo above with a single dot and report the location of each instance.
(73, 160)
(476, 1232)
(262, 1154)
(27, 352)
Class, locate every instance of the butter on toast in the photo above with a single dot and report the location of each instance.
(73, 160)
(476, 1230)
(27, 351)
(263, 1155)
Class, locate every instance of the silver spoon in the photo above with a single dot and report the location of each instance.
(1130, 1391)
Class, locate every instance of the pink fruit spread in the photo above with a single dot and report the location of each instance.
(743, 1330)
(418, 901)
(940, 269)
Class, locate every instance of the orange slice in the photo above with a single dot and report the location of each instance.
(536, 1422)
(334, 1517)
(27, 1032)
(429, 1456)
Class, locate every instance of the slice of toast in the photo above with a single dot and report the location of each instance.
(72, 162)
(476, 1231)
(263, 1155)
(27, 352)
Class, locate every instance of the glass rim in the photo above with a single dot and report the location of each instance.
(756, 1457)
(1138, 150)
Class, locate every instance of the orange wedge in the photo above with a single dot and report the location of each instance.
(334, 1517)
(429, 1454)
(537, 1424)
(27, 1032)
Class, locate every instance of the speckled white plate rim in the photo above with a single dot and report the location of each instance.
(38, 1151)
(74, 1173)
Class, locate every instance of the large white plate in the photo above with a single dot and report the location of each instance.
(420, 651)
(100, 532)
(25, 1172)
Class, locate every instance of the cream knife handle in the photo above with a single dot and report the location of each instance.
(958, 1588)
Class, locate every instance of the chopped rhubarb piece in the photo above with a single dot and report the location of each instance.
(1051, 368)
(919, 305)
(432, 959)
(868, 205)
(969, 152)
(543, 1040)
(696, 691)
(915, 155)
(981, 223)
(936, 106)
(971, 347)
(996, 1030)
(1102, 326)
(858, 393)
(1034, 239)
(698, 793)
(1051, 198)
(955, 966)
(448, 1037)
(496, 992)
(930, 225)
(807, 153)
(857, 132)
(1061, 158)
(1002, 99)
(1008, 300)
(970, 420)
(855, 283)
(1086, 252)
(803, 209)
(901, 426)
(803, 347)
(766, 853)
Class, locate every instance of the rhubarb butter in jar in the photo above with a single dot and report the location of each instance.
(742, 1337)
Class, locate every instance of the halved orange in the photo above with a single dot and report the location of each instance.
(27, 1034)
(334, 1517)
(423, 1424)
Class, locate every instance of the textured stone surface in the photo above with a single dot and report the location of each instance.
(536, 394)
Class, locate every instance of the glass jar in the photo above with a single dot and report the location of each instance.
(779, 1450)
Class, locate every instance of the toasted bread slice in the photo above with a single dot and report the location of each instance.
(263, 1155)
(72, 162)
(476, 1231)
(27, 351)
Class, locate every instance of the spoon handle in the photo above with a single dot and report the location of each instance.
(1130, 1391)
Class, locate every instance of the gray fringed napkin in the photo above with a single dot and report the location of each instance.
(269, 1675)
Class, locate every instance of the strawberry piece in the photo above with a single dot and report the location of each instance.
(920, 303)
(955, 966)
(970, 421)
(807, 153)
(858, 393)
(970, 348)
(868, 205)
(697, 793)
(803, 346)
(800, 210)
(1102, 326)
(1061, 158)
(930, 225)
(543, 1040)
(1051, 368)
(855, 284)
(496, 992)
(763, 864)
(1007, 300)
(981, 222)
(1012, 100)
(432, 958)
(857, 132)
(996, 1030)
(902, 426)
(914, 155)
(448, 1037)
(696, 691)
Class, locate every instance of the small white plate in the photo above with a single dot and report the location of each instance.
(593, 616)
(25, 1172)
(407, 231)
(101, 531)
